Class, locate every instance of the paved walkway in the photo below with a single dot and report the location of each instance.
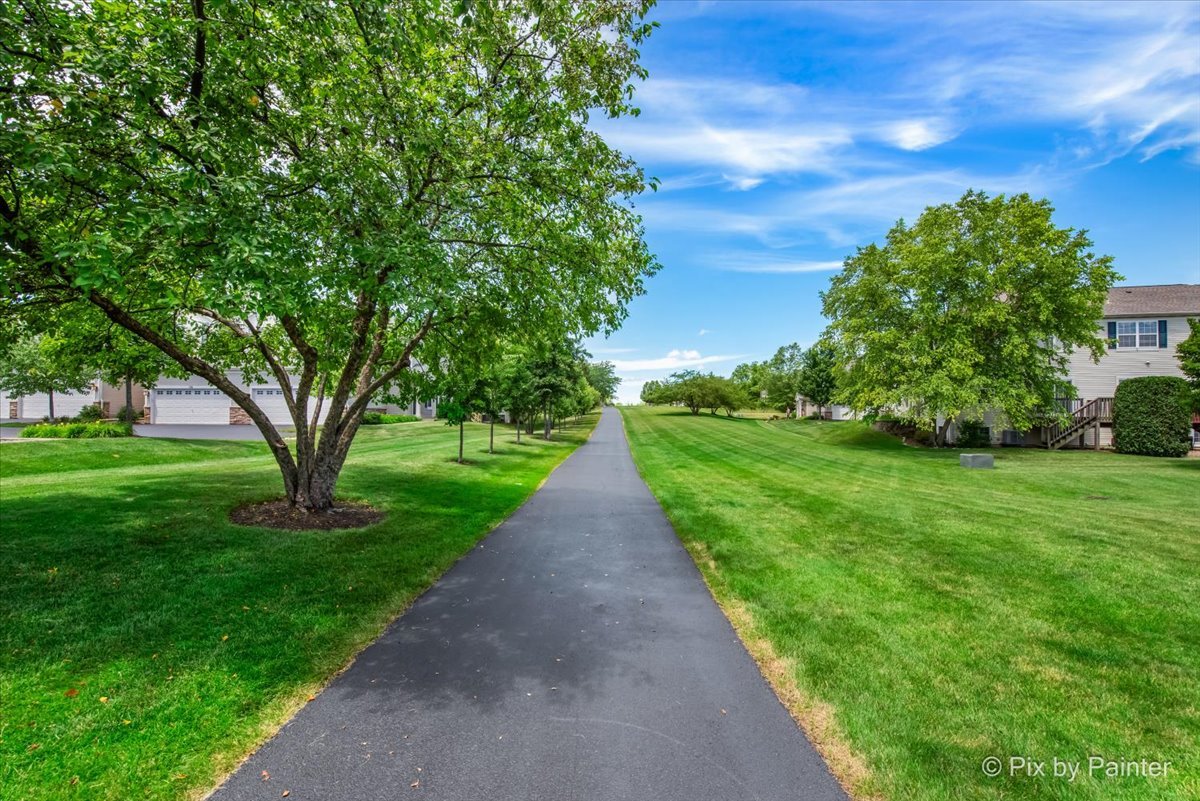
(574, 655)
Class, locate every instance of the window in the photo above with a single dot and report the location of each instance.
(1137, 334)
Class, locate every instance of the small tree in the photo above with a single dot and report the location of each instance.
(37, 364)
(1152, 416)
(1188, 353)
(817, 379)
(655, 392)
(977, 306)
(687, 387)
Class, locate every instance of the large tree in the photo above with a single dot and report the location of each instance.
(310, 190)
(976, 306)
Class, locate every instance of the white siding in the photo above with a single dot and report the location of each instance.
(1093, 380)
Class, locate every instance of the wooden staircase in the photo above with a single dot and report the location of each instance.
(1092, 414)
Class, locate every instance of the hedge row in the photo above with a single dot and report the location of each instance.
(377, 418)
(1152, 416)
(77, 430)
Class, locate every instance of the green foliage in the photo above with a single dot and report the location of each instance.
(602, 376)
(1152, 416)
(128, 415)
(655, 393)
(379, 418)
(35, 364)
(817, 379)
(315, 191)
(90, 413)
(972, 434)
(751, 380)
(77, 430)
(1188, 353)
(976, 306)
(784, 377)
(696, 391)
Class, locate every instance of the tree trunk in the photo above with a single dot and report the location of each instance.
(518, 426)
(491, 434)
(51, 396)
(460, 441)
(546, 424)
(128, 398)
(940, 438)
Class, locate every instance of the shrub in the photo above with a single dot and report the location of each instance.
(972, 434)
(90, 413)
(77, 430)
(1152, 416)
(127, 415)
(379, 418)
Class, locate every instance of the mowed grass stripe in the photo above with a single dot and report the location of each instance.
(945, 614)
(128, 583)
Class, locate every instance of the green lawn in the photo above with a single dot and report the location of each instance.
(920, 617)
(146, 644)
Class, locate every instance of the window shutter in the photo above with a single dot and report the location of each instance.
(1112, 335)
(1162, 333)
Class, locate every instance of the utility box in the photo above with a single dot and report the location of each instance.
(980, 461)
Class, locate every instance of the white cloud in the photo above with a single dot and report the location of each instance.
(746, 154)
(702, 332)
(916, 134)
(674, 360)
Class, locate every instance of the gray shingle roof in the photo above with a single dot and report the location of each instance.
(1124, 301)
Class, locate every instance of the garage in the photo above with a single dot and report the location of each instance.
(195, 405)
(272, 401)
(66, 404)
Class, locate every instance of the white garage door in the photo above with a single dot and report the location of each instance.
(191, 405)
(271, 401)
(66, 404)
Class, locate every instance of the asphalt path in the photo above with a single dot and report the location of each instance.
(574, 655)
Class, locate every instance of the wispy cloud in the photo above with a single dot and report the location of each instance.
(674, 360)
(702, 332)
(764, 266)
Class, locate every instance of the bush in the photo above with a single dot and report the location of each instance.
(77, 430)
(90, 414)
(1152, 416)
(972, 434)
(127, 415)
(379, 418)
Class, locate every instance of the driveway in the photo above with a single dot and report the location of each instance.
(203, 432)
(573, 654)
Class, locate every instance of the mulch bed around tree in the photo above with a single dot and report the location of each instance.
(281, 514)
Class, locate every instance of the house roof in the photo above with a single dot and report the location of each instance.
(1131, 301)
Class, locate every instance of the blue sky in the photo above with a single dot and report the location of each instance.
(785, 135)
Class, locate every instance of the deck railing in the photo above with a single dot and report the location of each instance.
(1092, 413)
